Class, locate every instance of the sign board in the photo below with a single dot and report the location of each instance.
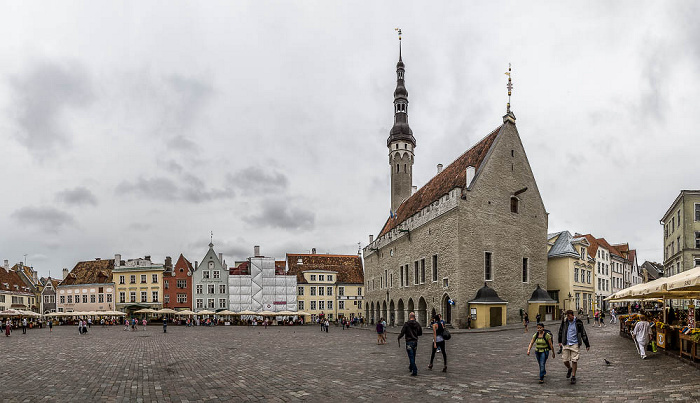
(691, 316)
(661, 338)
(473, 313)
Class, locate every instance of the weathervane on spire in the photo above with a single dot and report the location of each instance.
(399, 31)
(510, 88)
(211, 239)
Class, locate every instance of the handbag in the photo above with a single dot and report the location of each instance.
(446, 334)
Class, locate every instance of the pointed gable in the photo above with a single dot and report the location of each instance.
(453, 176)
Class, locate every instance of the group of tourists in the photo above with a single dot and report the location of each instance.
(381, 331)
(411, 330)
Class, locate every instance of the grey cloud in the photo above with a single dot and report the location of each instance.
(256, 179)
(49, 219)
(160, 188)
(192, 95)
(41, 96)
(280, 214)
(181, 143)
(77, 197)
(140, 226)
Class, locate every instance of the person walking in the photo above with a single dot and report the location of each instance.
(438, 342)
(613, 318)
(24, 326)
(384, 330)
(641, 334)
(380, 332)
(596, 318)
(542, 340)
(412, 330)
(538, 318)
(80, 327)
(144, 323)
(165, 325)
(571, 335)
(8, 327)
(50, 325)
(526, 321)
(602, 318)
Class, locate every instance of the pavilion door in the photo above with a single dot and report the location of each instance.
(495, 314)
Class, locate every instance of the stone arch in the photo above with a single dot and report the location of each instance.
(392, 314)
(410, 308)
(446, 308)
(432, 313)
(371, 313)
(367, 312)
(378, 314)
(401, 313)
(384, 312)
(422, 313)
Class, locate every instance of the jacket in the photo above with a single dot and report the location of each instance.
(411, 329)
(580, 332)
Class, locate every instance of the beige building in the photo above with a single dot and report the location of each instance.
(682, 233)
(138, 284)
(332, 285)
(571, 272)
(88, 287)
(480, 220)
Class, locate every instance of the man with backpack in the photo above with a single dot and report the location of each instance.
(542, 340)
(571, 335)
(412, 330)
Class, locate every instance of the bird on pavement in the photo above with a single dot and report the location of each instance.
(606, 361)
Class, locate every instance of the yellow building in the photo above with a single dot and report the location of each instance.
(332, 285)
(570, 272)
(138, 284)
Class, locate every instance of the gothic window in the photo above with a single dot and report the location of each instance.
(514, 204)
(397, 168)
(404, 168)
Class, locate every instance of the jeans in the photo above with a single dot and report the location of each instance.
(411, 347)
(441, 346)
(542, 360)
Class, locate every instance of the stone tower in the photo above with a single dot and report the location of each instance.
(400, 143)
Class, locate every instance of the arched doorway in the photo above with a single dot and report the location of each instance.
(370, 317)
(446, 309)
(367, 312)
(378, 314)
(401, 313)
(422, 314)
(432, 314)
(384, 312)
(392, 314)
(411, 307)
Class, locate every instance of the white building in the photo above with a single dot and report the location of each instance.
(210, 282)
(256, 285)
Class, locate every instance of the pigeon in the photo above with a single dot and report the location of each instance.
(606, 361)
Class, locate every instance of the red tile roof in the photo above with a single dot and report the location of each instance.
(348, 267)
(90, 272)
(13, 280)
(454, 175)
(593, 247)
(602, 242)
(243, 269)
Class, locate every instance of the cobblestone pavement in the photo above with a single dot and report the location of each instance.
(302, 363)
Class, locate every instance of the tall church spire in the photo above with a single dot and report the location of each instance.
(401, 141)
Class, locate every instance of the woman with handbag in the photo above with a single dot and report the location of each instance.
(438, 342)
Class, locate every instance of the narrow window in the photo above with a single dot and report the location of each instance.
(514, 204)
(404, 168)
(397, 168)
(488, 275)
(415, 273)
(525, 271)
(697, 211)
(422, 271)
(435, 271)
(406, 276)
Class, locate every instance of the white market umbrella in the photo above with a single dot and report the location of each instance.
(247, 313)
(166, 311)
(186, 312)
(206, 312)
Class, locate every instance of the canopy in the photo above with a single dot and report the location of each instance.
(205, 312)
(286, 313)
(226, 312)
(166, 311)
(146, 310)
(10, 312)
(300, 313)
(685, 281)
(247, 313)
(186, 312)
(683, 285)
(267, 313)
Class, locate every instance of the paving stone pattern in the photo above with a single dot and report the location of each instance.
(304, 364)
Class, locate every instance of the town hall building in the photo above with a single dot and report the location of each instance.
(471, 242)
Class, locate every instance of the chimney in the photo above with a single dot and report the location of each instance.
(195, 265)
(6, 264)
(97, 259)
(471, 172)
(168, 263)
(256, 251)
(221, 258)
(414, 189)
(65, 273)
(147, 257)
(117, 260)
(371, 238)
(439, 166)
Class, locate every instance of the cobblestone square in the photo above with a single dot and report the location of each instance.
(303, 364)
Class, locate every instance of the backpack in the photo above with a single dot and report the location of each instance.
(380, 328)
(546, 332)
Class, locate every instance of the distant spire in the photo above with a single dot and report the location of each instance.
(399, 32)
(211, 241)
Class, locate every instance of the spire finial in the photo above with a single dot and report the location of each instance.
(211, 239)
(510, 89)
(398, 30)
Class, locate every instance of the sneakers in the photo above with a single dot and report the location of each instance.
(568, 373)
(573, 380)
(430, 366)
(414, 374)
(541, 380)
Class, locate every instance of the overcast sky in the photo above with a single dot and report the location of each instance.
(139, 127)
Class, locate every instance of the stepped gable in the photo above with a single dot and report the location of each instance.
(454, 175)
(348, 267)
(90, 272)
